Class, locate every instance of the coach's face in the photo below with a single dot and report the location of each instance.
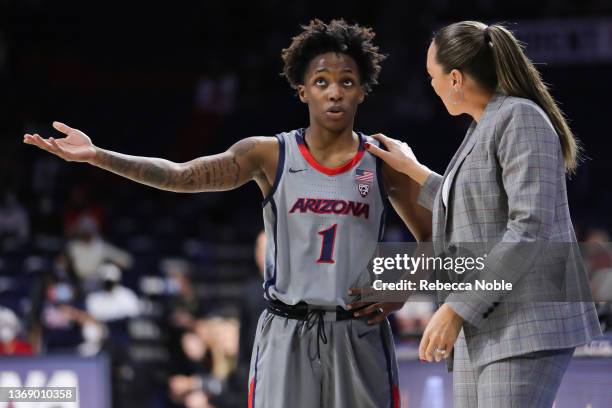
(448, 86)
(332, 89)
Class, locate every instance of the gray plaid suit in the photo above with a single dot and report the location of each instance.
(507, 188)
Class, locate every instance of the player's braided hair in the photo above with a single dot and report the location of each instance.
(338, 36)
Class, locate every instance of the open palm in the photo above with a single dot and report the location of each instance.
(76, 146)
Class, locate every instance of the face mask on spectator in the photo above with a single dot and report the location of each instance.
(7, 334)
(108, 285)
(173, 286)
(9, 325)
(63, 293)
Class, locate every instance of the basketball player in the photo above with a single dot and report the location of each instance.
(323, 209)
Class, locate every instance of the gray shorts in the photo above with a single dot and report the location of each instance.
(302, 364)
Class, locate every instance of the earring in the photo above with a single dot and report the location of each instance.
(455, 97)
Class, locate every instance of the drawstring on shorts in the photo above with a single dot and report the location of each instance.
(317, 317)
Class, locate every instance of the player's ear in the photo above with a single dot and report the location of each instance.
(301, 89)
(361, 97)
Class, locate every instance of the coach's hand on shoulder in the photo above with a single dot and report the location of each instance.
(76, 146)
(399, 156)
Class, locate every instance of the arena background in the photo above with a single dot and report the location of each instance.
(180, 80)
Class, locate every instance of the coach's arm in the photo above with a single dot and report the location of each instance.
(403, 194)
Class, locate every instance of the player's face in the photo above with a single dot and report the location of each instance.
(332, 90)
(442, 82)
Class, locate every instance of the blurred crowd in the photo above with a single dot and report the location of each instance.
(165, 284)
(163, 326)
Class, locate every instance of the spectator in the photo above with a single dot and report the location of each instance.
(80, 205)
(598, 254)
(59, 332)
(196, 350)
(216, 337)
(88, 250)
(235, 392)
(197, 399)
(10, 344)
(221, 336)
(92, 331)
(115, 305)
(184, 306)
(114, 301)
(253, 304)
(14, 221)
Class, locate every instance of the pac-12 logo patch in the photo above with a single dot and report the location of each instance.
(364, 189)
(364, 179)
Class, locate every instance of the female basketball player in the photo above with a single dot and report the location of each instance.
(323, 212)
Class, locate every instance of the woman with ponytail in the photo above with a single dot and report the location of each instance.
(505, 187)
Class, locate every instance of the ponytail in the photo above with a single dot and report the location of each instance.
(496, 60)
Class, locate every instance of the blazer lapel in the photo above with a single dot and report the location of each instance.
(440, 212)
(466, 147)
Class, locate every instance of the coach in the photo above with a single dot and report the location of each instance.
(504, 187)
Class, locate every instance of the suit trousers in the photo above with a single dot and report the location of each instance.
(529, 380)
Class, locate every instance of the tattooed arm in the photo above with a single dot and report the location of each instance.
(242, 162)
(224, 171)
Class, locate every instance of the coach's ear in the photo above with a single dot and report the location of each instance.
(301, 89)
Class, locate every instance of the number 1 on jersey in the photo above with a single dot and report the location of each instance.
(327, 247)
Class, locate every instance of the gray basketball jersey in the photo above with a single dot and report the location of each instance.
(322, 224)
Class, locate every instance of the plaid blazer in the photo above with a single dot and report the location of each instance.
(508, 191)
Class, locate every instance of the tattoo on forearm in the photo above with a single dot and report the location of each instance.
(150, 171)
(219, 172)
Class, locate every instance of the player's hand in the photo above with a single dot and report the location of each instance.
(398, 154)
(76, 146)
(376, 312)
(440, 334)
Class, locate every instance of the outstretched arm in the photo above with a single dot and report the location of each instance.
(225, 171)
(219, 172)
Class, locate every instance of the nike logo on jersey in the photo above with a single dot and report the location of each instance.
(323, 206)
(292, 170)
